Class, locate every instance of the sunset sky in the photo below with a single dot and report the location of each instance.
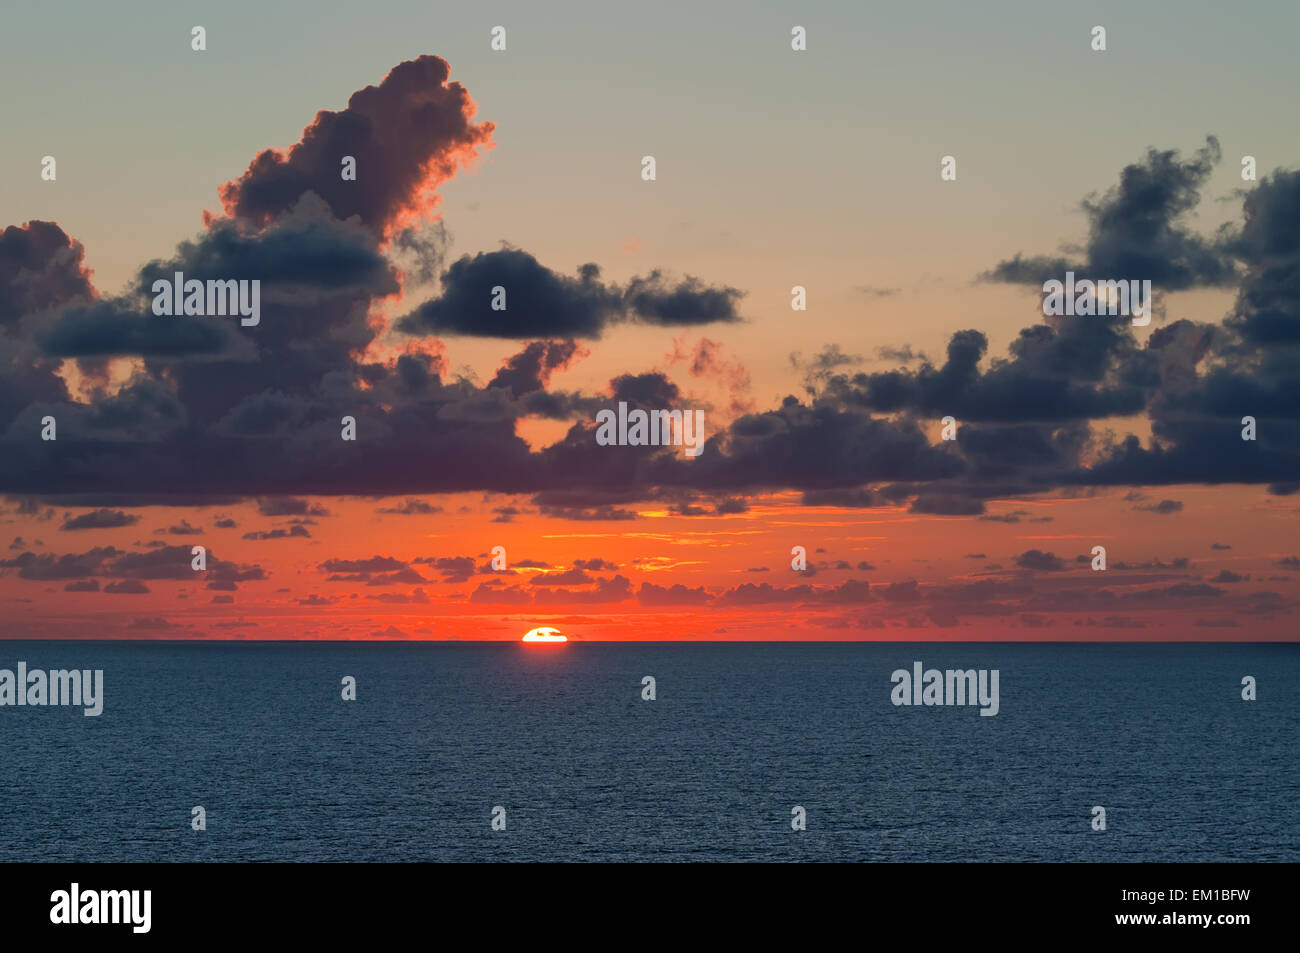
(522, 168)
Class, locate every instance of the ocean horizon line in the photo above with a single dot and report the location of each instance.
(581, 641)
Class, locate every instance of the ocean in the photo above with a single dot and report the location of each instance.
(737, 737)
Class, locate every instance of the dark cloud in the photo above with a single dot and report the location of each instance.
(41, 266)
(1164, 507)
(540, 302)
(152, 624)
(411, 508)
(1214, 376)
(118, 327)
(905, 591)
(676, 595)
(595, 565)
(294, 531)
(488, 594)
(304, 262)
(852, 498)
(588, 514)
(531, 369)
(175, 563)
(1179, 562)
(40, 269)
(256, 412)
(655, 300)
(370, 565)
(748, 593)
(421, 251)
(813, 448)
(1138, 229)
(408, 135)
(689, 509)
(569, 577)
(1004, 517)
(616, 589)
(400, 577)
(1267, 311)
(1071, 371)
(100, 519)
(454, 569)
(941, 505)
(416, 596)
(48, 566)
(1040, 561)
(289, 506)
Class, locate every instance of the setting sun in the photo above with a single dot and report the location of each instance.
(544, 634)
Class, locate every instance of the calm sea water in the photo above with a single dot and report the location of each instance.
(739, 734)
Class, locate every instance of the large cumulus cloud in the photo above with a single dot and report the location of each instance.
(409, 135)
(1248, 366)
(1139, 229)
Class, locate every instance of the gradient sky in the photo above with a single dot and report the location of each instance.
(774, 169)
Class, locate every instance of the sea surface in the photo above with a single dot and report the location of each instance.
(739, 734)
